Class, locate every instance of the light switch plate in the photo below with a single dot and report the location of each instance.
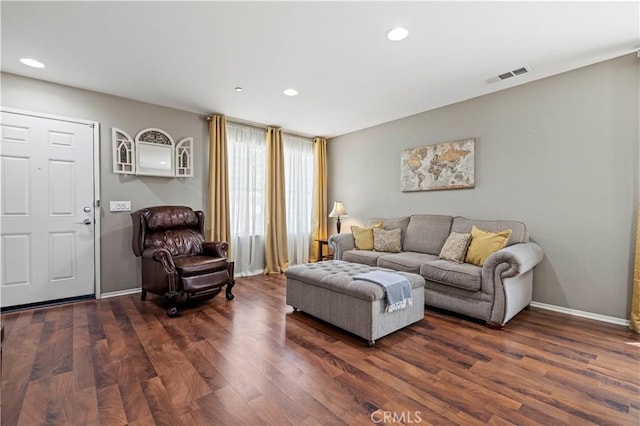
(120, 206)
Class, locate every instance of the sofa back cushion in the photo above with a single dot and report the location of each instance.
(426, 233)
(393, 223)
(519, 233)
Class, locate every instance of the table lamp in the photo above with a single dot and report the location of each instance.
(338, 210)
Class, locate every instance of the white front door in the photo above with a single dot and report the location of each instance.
(46, 209)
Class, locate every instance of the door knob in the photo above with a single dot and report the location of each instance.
(86, 209)
(85, 222)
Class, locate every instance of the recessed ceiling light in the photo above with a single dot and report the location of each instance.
(32, 63)
(397, 34)
(290, 92)
(238, 89)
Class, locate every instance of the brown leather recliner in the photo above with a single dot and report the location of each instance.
(176, 260)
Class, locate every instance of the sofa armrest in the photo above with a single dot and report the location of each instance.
(515, 259)
(508, 277)
(341, 243)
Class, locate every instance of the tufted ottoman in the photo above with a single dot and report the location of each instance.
(328, 291)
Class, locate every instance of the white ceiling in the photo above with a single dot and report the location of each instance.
(191, 55)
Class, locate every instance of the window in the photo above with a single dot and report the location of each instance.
(298, 163)
(246, 150)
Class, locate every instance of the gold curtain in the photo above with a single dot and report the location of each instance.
(218, 216)
(634, 322)
(319, 209)
(276, 251)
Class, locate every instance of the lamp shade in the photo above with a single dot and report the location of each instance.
(338, 210)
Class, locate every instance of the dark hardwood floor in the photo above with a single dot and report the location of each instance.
(251, 361)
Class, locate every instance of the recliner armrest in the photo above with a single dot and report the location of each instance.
(161, 255)
(215, 248)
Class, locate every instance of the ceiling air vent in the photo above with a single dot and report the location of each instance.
(519, 71)
(506, 75)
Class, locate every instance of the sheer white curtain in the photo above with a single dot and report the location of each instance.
(298, 163)
(246, 150)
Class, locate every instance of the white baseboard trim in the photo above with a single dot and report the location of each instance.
(554, 308)
(120, 293)
(249, 273)
(582, 314)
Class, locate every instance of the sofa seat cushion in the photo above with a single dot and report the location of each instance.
(365, 257)
(461, 275)
(407, 261)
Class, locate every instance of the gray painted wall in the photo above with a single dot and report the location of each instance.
(119, 267)
(559, 154)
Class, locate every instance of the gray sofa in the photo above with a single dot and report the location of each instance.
(494, 292)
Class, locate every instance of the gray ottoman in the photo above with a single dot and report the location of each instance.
(328, 291)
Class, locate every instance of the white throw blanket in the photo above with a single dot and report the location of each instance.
(396, 287)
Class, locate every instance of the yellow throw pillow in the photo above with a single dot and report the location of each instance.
(363, 237)
(484, 243)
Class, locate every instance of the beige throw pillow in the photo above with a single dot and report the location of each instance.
(387, 240)
(455, 248)
(363, 237)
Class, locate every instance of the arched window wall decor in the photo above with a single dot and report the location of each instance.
(152, 153)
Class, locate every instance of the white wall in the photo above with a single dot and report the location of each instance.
(559, 154)
(119, 267)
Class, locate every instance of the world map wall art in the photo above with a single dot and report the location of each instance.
(446, 165)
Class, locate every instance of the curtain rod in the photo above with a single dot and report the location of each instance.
(258, 126)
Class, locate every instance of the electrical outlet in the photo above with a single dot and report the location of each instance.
(120, 206)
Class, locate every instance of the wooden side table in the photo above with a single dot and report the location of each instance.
(321, 245)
